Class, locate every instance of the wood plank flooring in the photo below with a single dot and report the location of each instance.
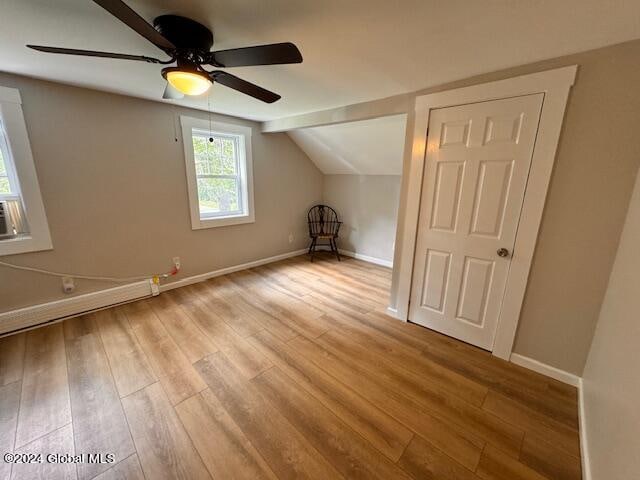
(286, 371)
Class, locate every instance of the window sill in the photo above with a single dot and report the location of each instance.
(213, 222)
(23, 244)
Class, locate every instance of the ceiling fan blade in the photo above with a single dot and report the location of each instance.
(93, 53)
(124, 13)
(274, 54)
(171, 93)
(245, 87)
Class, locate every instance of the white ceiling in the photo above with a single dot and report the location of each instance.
(367, 147)
(354, 50)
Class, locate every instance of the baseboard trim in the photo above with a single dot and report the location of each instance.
(35, 315)
(367, 258)
(544, 369)
(584, 444)
(570, 379)
(223, 271)
(359, 256)
(393, 312)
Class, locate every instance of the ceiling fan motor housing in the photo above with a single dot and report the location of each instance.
(184, 33)
(188, 44)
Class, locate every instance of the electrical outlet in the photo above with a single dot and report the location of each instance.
(176, 262)
(68, 285)
(291, 238)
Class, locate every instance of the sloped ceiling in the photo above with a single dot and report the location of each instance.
(354, 50)
(368, 147)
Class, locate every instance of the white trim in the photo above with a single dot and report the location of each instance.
(584, 443)
(359, 256)
(555, 84)
(397, 104)
(367, 258)
(19, 149)
(544, 369)
(392, 312)
(67, 307)
(246, 171)
(10, 95)
(569, 379)
(223, 271)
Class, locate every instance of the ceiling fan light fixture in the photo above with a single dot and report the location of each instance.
(188, 82)
(188, 44)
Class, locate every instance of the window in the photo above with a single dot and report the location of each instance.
(219, 172)
(7, 186)
(23, 223)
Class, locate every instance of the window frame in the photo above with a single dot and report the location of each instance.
(239, 168)
(22, 167)
(245, 171)
(14, 184)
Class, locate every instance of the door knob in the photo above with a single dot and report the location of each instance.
(503, 252)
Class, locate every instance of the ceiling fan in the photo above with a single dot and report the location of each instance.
(188, 44)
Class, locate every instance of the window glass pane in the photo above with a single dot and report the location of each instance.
(3, 168)
(4, 185)
(4, 179)
(218, 196)
(215, 158)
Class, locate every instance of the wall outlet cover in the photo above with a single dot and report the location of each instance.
(68, 285)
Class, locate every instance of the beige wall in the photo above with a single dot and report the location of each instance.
(588, 197)
(368, 206)
(597, 160)
(598, 157)
(611, 381)
(113, 183)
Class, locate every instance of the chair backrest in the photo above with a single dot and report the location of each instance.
(323, 220)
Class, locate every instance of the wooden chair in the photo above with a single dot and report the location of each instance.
(323, 225)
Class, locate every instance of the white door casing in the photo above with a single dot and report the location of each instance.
(476, 168)
(556, 85)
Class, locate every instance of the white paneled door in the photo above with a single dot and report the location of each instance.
(477, 164)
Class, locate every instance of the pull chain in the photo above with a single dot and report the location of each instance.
(209, 109)
(174, 118)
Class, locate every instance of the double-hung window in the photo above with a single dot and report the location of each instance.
(9, 188)
(23, 223)
(219, 172)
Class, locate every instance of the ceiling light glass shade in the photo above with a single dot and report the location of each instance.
(189, 83)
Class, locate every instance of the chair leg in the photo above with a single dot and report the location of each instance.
(335, 248)
(312, 248)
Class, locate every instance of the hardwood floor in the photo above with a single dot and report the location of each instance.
(286, 371)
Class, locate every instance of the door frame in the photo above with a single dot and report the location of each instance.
(555, 85)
